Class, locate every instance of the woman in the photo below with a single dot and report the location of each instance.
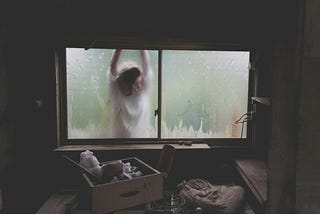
(129, 92)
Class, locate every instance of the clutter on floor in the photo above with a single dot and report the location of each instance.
(121, 185)
(117, 184)
(110, 171)
(212, 198)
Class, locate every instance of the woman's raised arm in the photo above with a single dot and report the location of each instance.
(115, 61)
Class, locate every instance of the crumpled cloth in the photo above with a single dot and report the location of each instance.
(89, 161)
(213, 198)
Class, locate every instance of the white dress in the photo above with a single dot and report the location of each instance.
(130, 115)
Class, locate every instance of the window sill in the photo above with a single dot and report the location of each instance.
(127, 147)
(254, 174)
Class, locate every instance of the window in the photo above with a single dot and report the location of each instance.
(194, 94)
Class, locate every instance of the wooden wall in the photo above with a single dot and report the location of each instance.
(285, 68)
(308, 161)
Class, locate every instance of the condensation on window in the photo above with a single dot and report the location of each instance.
(204, 93)
(88, 104)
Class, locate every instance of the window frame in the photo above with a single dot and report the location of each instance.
(159, 45)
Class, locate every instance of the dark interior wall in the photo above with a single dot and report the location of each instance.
(30, 70)
(293, 178)
(285, 67)
(4, 133)
(308, 161)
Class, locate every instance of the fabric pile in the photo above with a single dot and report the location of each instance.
(213, 198)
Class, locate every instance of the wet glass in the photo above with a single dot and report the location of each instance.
(204, 93)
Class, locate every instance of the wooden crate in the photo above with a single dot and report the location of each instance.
(126, 193)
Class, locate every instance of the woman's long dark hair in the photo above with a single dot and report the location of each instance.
(127, 77)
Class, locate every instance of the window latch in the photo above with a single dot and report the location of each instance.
(246, 117)
(156, 112)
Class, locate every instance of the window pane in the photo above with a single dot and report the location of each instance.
(89, 104)
(204, 93)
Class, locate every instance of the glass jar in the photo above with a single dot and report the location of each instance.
(171, 203)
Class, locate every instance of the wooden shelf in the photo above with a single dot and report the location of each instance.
(254, 174)
(262, 100)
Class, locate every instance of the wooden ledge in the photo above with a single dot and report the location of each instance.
(254, 173)
(127, 147)
(262, 100)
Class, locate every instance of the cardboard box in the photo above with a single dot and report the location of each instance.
(126, 193)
